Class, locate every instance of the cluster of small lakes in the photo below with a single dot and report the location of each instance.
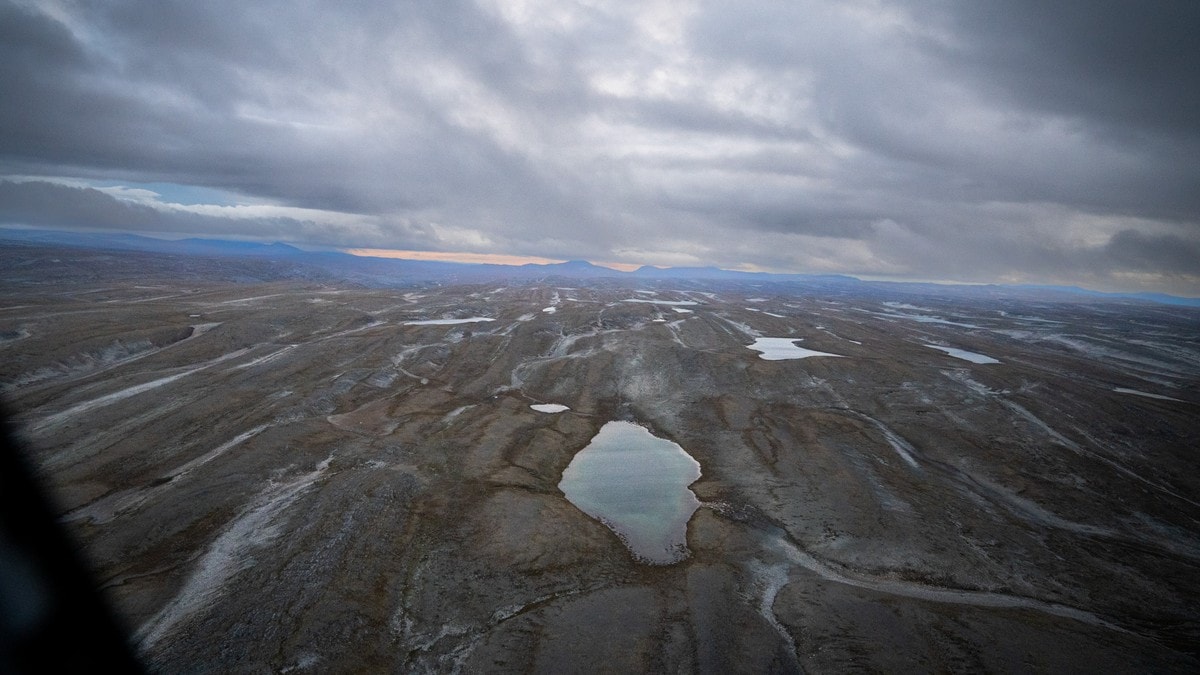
(636, 483)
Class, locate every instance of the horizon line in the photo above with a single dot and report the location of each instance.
(475, 258)
(518, 260)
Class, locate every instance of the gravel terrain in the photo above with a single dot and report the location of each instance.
(274, 473)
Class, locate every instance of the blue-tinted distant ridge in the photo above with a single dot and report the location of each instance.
(391, 271)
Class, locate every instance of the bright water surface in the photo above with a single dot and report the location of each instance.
(637, 484)
(549, 407)
(779, 349)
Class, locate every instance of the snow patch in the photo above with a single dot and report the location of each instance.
(549, 407)
(781, 348)
(964, 354)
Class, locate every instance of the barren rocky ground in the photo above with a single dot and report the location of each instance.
(291, 475)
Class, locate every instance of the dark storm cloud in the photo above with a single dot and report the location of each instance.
(925, 138)
(1090, 104)
(165, 95)
(48, 204)
(1127, 65)
(1125, 72)
(57, 206)
(1133, 250)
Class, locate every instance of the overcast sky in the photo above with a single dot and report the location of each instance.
(1016, 141)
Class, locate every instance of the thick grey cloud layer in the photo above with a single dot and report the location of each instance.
(1021, 141)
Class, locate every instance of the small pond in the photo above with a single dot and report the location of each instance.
(779, 349)
(637, 484)
(549, 407)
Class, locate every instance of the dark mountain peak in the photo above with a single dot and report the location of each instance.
(577, 265)
(572, 268)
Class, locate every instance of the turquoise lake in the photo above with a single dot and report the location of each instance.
(637, 484)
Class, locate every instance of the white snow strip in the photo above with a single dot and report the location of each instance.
(349, 331)
(964, 354)
(901, 446)
(1072, 445)
(919, 318)
(1135, 392)
(228, 555)
(674, 328)
(456, 412)
(934, 594)
(265, 358)
(109, 399)
(1035, 319)
(447, 322)
(903, 305)
(257, 297)
(662, 302)
(772, 579)
(741, 327)
(105, 509)
(152, 299)
(1041, 424)
(1033, 512)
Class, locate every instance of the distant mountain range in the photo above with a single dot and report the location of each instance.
(394, 271)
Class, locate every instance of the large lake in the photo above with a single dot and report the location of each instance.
(637, 484)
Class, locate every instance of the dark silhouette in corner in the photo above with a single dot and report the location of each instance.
(52, 617)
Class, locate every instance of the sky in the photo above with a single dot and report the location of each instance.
(1013, 142)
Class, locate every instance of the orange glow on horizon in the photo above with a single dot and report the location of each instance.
(471, 258)
(620, 267)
